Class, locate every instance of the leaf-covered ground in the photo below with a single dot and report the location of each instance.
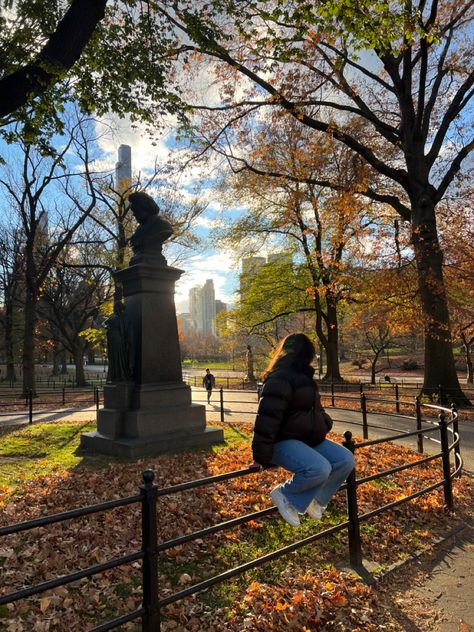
(306, 590)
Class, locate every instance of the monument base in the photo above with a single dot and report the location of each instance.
(137, 447)
(139, 420)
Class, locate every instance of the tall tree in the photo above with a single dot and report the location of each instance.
(70, 303)
(11, 275)
(52, 202)
(405, 71)
(320, 225)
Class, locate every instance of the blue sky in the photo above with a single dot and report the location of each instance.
(206, 262)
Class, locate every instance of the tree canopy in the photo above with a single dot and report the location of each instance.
(105, 55)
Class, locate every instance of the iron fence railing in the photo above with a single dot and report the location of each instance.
(150, 611)
(365, 403)
(395, 388)
(47, 402)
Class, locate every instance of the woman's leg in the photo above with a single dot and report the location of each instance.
(342, 463)
(310, 471)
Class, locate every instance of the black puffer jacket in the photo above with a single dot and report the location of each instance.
(289, 408)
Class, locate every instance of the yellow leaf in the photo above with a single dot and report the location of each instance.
(44, 603)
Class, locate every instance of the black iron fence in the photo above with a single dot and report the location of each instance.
(395, 388)
(46, 402)
(365, 403)
(150, 610)
(93, 378)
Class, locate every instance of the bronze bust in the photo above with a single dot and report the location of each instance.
(152, 231)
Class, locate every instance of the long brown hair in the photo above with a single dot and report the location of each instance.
(295, 351)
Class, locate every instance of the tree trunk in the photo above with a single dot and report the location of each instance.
(79, 364)
(55, 371)
(439, 358)
(470, 368)
(8, 341)
(332, 342)
(29, 344)
(373, 371)
(373, 366)
(64, 362)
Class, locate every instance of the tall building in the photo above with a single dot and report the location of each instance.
(250, 266)
(202, 307)
(123, 168)
(187, 324)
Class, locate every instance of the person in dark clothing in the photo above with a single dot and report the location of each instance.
(290, 431)
(208, 381)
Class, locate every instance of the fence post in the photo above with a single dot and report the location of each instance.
(454, 417)
(97, 399)
(448, 486)
(418, 424)
(397, 400)
(361, 387)
(440, 394)
(64, 395)
(221, 393)
(332, 393)
(355, 548)
(151, 619)
(363, 407)
(30, 406)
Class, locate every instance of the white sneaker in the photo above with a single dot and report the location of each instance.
(286, 509)
(315, 510)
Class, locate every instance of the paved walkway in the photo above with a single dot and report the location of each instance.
(448, 582)
(447, 571)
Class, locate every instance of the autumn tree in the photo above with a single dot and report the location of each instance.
(406, 72)
(322, 227)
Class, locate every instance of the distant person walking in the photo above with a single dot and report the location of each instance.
(290, 431)
(209, 382)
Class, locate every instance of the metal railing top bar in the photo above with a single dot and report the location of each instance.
(439, 408)
(200, 482)
(72, 577)
(217, 579)
(67, 515)
(403, 435)
(189, 537)
(115, 623)
(25, 413)
(399, 468)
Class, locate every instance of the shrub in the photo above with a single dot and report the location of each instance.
(409, 365)
(359, 362)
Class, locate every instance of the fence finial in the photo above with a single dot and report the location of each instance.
(148, 477)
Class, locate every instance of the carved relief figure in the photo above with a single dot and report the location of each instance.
(119, 345)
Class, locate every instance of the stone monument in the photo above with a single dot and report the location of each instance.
(147, 406)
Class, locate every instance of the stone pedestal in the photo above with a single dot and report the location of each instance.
(154, 413)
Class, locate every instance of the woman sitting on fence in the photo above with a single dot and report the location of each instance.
(290, 431)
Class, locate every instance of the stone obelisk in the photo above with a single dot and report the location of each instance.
(147, 408)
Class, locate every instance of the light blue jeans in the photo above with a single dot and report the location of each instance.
(318, 471)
